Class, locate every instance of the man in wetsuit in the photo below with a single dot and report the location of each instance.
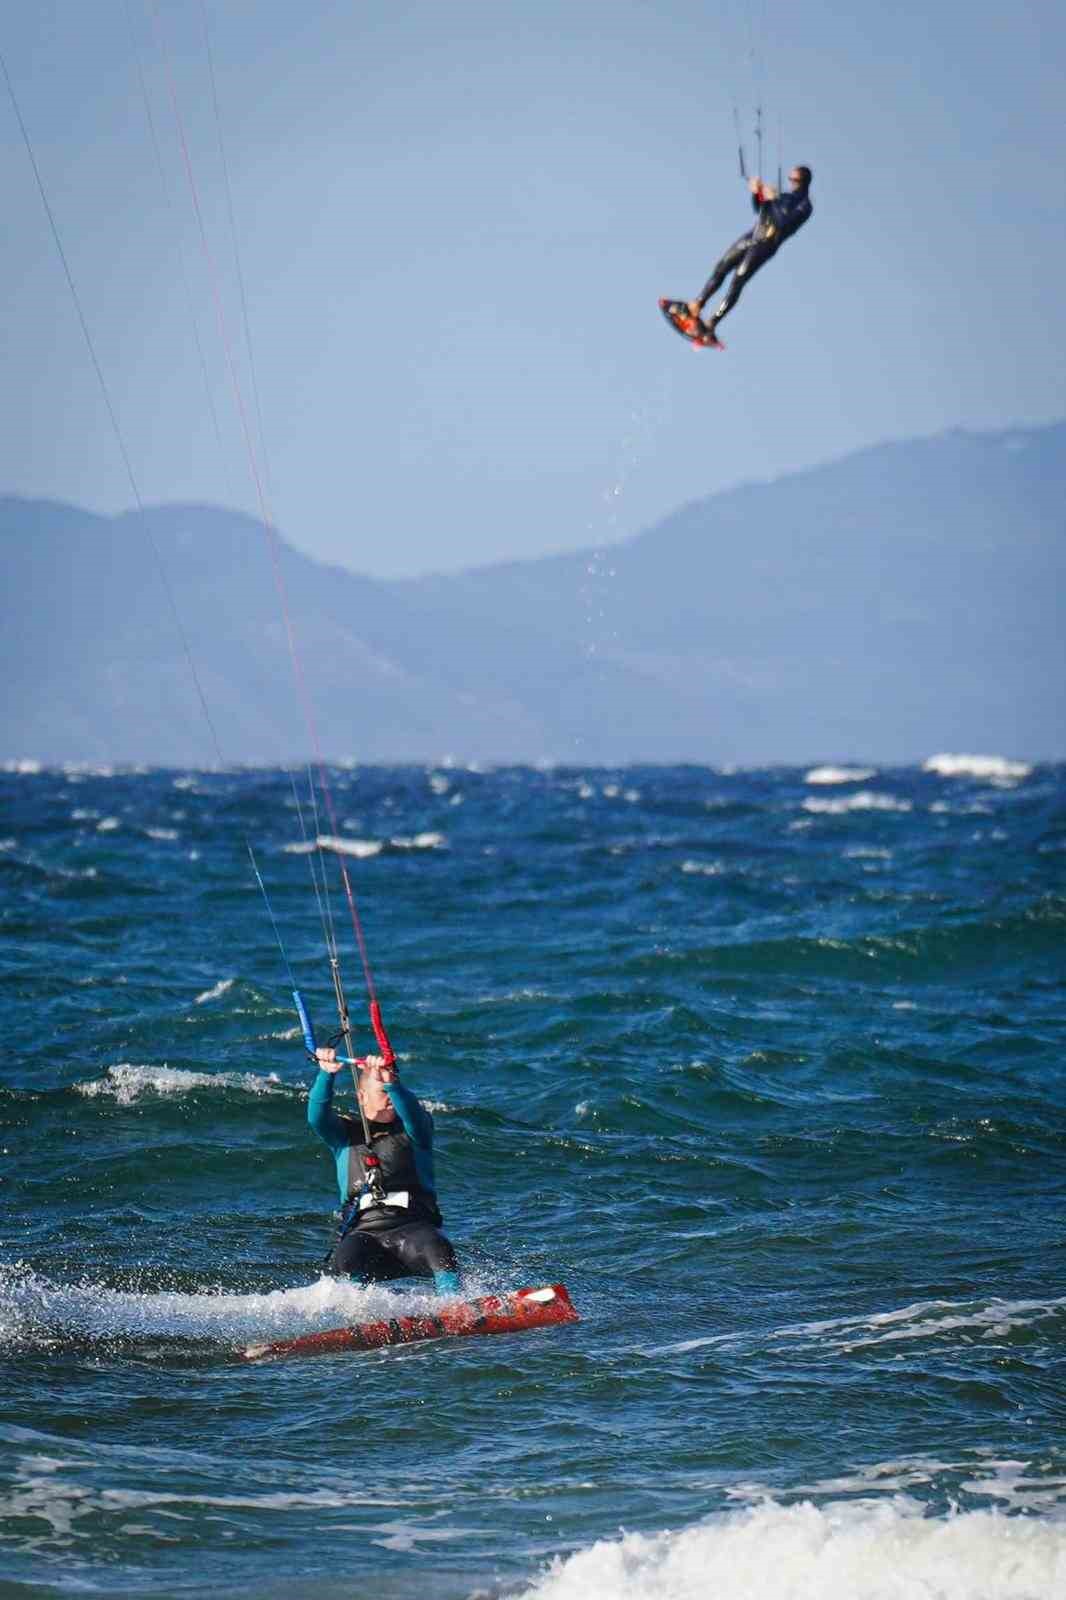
(779, 218)
(390, 1224)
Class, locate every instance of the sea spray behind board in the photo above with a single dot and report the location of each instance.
(767, 1066)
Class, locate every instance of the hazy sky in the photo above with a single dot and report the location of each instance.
(454, 221)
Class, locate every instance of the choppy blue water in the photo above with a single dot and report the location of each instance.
(767, 1066)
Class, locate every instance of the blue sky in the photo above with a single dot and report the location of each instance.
(454, 222)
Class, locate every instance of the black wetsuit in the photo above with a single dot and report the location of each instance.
(778, 220)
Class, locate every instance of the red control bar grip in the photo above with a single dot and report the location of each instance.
(380, 1035)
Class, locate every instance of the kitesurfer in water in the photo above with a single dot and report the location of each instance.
(391, 1223)
(779, 217)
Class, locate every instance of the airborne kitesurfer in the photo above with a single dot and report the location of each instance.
(390, 1224)
(779, 217)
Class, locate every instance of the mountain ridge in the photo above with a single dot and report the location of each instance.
(901, 599)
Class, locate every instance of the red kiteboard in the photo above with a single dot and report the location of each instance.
(689, 327)
(493, 1313)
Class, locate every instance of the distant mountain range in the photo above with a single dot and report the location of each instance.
(906, 599)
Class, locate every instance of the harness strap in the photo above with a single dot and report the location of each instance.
(351, 1213)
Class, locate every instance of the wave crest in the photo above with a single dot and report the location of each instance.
(843, 1551)
(865, 800)
(831, 774)
(962, 766)
(128, 1083)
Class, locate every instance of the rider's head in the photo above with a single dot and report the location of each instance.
(800, 177)
(375, 1102)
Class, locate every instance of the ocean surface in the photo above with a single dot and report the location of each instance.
(767, 1066)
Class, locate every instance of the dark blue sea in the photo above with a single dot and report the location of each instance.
(767, 1066)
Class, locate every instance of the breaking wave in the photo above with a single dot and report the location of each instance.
(223, 986)
(961, 766)
(929, 1319)
(865, 800)
(889, 1550)
(363, 849)
(830, 774)
(127, 1083)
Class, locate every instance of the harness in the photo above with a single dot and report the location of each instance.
(390, 1180)
(371, 1191)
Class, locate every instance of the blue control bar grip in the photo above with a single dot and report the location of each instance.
(305, 1021)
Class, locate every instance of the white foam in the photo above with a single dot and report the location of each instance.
(1013, 1485)
(685, 1346)
(162, 833)
(56, 1502)
(926, 1319)
(127, 1083)
(846, 1551)
(407, 1536)
(1019, 1490)
(72, 873)
(839, 774)
(223, 986)
(704, 869)
(361, 848)
(865, 800)
(961, 766)
(24, 768)
(108, 825)
(32, 1306)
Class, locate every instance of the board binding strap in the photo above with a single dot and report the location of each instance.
(515, 1312)
(689, 327)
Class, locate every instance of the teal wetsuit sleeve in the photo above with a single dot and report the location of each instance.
(417, 1122)
(321, 1117)
(418, 1126)
(324, 1121)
